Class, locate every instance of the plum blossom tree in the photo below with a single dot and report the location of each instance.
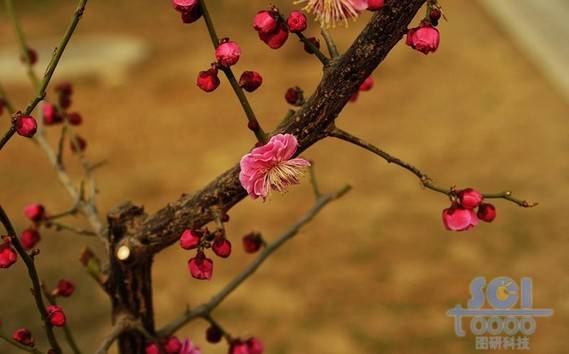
(132, 238)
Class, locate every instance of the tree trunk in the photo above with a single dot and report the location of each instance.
(130, 282)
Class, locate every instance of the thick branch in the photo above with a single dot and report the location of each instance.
(309, 124)
(204, 309)
(425, 180)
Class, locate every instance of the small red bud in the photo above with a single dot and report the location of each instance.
(213, 334)
(250, 81)
(189, 239)
(435, 15)
(185, 5)
(23, 336)
(254, 346)
(486, 212)
(253, 125)
(200, 266)
(64, 288)
(424, 39)
(172, 345)
(29, 238)
(354, 97)
(252, 242)
(56, 316)
(277, 38)
(50, 114)
(152, 348)
(296, 22)
(221, 247)
(228, 53)
(192, 16)
(265, 22)
(295, 96)
(34, 212)
(470, 198)
(7, 255)
(26, 126)
(208, 80)
(64, 88)
(74, 118)
(367, 84)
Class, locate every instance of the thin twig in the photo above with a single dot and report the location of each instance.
(425, 180)
(253, 123)
(83, 232)
(313, 181)
(66, 329)
(33, 274)
(332, 49)
(204, 309)
(123, 324)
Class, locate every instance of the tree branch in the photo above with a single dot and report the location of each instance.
(33, 274)
(204, 309)
(309, 124)
(425, 180)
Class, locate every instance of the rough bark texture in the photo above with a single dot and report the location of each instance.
(130, 283)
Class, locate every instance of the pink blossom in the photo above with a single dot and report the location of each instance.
(329, 12)
(425, 39)
(228, 53)
(272, 166)
(457, 218)
(200, 266)
(265, 22)
(470, 198)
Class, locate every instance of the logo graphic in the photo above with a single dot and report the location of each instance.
(501, 314)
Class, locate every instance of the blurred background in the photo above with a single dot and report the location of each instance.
(376, 271)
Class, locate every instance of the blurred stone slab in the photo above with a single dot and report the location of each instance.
(541, 29)
(105, 58)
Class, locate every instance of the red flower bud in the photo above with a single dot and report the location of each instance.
(252, 242)
(375, 5)
(208, 80)
(32, 55)
(250, 80)
(26, 126)
(456, 218)
(221, 247)
(190, 239)
(64, 88)
(435, 15)
(172, 345)
(30, 238)
(78, 144)
(228, 53)
(56, 316)
(277, 38)
(23, 336)
(185, 5)
(424, 39)
(34, 212)
(238, 347)
(193, 15)
(254, 345)
(201, 267)
(315, 42)
(74, 118)
(213, 334)
(7, 255)
(152, 348)
(354, 97)
(65, 288)
(250, 346)
(265, 22)
(295, 96)
(50, 114)
(486, 212)
(367, 84)
(469, 198)
(296, 22)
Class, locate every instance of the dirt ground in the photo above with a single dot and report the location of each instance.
(376, 271)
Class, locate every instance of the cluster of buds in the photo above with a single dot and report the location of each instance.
(172, 345)
(365, 86)
(200, 266)
(30, 237)
(462, 216)
(426, 37)
(273, 29)
(248, 346)
(57, 113)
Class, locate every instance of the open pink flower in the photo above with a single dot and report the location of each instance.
(271, 166)
(329, 12)
(189, 348)
(457, 218)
